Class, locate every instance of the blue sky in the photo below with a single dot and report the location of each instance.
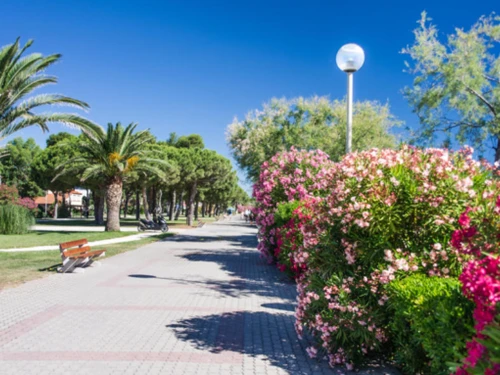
(191, 66)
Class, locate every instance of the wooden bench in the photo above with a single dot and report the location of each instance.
(201, 223)
(77, 254)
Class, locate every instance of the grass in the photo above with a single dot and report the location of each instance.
(19, 267)
(129, 222)
(41, 238)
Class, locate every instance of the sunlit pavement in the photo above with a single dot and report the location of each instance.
(202, 302)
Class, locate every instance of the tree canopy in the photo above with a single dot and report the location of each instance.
(15, 166)
(456, 90)
(312, 123)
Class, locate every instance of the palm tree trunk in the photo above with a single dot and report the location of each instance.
(113, 203)
(145, 203)
(190, 204)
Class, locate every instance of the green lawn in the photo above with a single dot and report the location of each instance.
(123, 222)
(19, 267)
(41, 238)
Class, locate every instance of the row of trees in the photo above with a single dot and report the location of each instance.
(119, 165)
(106, 161)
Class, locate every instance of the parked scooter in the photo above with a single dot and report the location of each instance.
(159, 224)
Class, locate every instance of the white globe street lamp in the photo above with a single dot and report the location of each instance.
(350, 58)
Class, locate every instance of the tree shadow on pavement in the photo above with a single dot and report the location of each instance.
(268, 336)
(249, 240)
(251, 274)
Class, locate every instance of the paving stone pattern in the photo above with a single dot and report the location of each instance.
(202, 302)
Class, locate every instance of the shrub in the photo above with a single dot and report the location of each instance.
(8, 194)
(288, 176)
(431, 322)
(388, 214)
(15, 219)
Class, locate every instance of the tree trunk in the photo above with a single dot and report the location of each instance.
(113, 203)
(210, 209)
(203, 209)
(172, 206)
(56, 204)
(190, 204)
(160, 206)
(152, 203)
(196, 210)
(145, 203)
(128, 195)
(98, 206)
(137, 205)
(179, 209)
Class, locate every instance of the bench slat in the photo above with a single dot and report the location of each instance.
(77, 251)
(68, 245)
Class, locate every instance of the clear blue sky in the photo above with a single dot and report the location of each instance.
(191, 66)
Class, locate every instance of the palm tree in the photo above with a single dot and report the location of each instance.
(19, 77)
(110, 156)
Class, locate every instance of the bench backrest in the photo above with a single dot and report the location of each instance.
(74, 247)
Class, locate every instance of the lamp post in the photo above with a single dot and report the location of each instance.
(350, 58)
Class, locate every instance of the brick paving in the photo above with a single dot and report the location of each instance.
(199, 303)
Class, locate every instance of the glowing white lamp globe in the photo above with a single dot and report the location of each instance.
(350, 58)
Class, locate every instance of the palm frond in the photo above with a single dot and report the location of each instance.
(20, 75)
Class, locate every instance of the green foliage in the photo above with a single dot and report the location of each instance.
(20, 75)
(312, 123)
(15, 167)
(432, 320)
(15, 219)
(456, 90)
(61, 148)
(190, 141)
(284, 212)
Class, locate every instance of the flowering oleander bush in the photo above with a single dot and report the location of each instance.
(388, 214)
(479, 237)
(374, 218)
(292, 175)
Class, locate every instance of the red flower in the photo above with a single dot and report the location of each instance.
(464, 220)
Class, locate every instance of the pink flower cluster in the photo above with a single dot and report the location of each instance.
(480, 282)
(374, 217)
(292, 175)
(27, 203)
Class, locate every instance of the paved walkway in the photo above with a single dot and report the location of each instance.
(198, 303)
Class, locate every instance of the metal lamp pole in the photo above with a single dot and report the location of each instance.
(348, 143)
(350, 58)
